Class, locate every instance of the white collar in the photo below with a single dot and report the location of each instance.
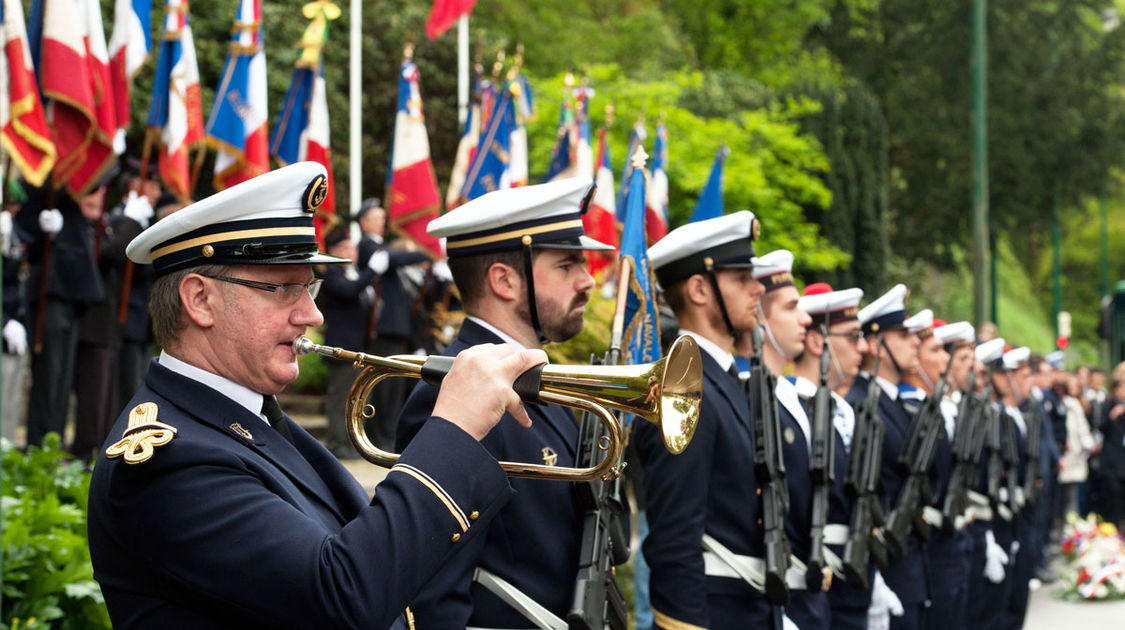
(789, 397)
(240, 394)
(724, 358)
(805, 387)
(889, 388)
(496, 331)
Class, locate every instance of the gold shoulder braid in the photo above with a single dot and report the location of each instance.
(142, 435)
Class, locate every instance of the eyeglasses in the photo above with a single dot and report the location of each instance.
(285, 292)
(853, 335)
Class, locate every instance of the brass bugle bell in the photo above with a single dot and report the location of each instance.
(667, 392)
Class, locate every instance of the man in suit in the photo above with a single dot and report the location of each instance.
(389, 327)
(209, 507)
(836, 312)
(785, 326)
(517, 258)
(703, 505)
(883, 323)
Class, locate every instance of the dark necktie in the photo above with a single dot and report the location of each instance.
(733, 371)
(272, 411)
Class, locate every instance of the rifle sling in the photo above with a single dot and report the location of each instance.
(518, 600)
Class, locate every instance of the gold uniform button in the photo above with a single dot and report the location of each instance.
(455, 537)
(474, 516)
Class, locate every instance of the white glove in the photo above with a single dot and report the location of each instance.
(1013, 550)
(994, 559)
(119, 142)
(884, 603)
(788, 624)
(138, 208)
(50, 221)
(5, 232)
(16, 336)
(442, 272)
(379, 262)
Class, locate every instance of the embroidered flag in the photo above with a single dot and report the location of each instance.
(656, 224)
(413, 199)
(642, 325)
(237, 126)
(600, 221)
(130, 43)
(176, 109)
(23, 124)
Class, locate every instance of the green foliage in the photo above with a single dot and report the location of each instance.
(312, 375)
(48, 578)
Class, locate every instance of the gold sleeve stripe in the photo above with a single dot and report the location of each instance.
(440, 492)
(234, 235)
(664, 621)
(503, 236)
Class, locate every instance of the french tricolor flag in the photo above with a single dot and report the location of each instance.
(413, 199)
(129, 46)
(237, 126)
(24, 134)
(656, 197)
(177, 108)
(600, 221)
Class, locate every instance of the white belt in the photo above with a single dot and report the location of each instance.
(835, 534)
(517, 599)
(932, 516)
(719, 561)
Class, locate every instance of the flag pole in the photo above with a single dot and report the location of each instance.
(196, 169)
(355, 103)
(44, 274)
(127, 277)
(463, 69)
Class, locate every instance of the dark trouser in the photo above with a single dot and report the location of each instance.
(132, 364)
(1111, 495)
(810, 611)
(94, 390)
(52, 371)
(341, 375)
(849, 602)
(1022, 569)
(913, 616)
(948, 557)
(987, 601)
(906, 576)
(388, 396)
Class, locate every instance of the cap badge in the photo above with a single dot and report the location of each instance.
(208, 251)
(316, 193)
(755, 229)
(142, 435)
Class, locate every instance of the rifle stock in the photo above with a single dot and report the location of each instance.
(821, 466)
(862, 482)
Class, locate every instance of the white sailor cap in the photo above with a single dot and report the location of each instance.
(725, 242)
(886, 312)
(1015, 357)
(921, 324)
(267, 220)
(775, 269)
(959, 334)
(820, 301)
(1056, 359)
(990, 351)
(543, 216)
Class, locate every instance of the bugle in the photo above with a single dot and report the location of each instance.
(667, 393)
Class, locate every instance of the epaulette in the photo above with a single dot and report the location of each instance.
(142, 435)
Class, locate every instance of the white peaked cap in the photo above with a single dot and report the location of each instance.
(921, 320)
(886, 311)
(840, 305)
(955, 332)
(991, 350)
(1014, 357)
(726, 241)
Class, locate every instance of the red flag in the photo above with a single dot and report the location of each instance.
(23, 125)
(77, 92)
(413, 199)
(600, 220)
(444, 13)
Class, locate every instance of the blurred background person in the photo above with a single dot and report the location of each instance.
(1073, 468)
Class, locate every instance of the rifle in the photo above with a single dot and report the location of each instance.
(1011, 464)
(917, 458)
(769, 470)
(967, 442)
(993, 444)
(862, 483)
(598, 602)
(1034, 452)
(821, 463)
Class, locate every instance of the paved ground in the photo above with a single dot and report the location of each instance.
(1048, 612)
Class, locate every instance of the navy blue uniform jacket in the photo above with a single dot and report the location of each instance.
(221, 531)
(532, 543)
(711, 488)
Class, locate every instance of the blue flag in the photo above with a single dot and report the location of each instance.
(489, 168)
(637, 138)
(710, 204)
(642, 326)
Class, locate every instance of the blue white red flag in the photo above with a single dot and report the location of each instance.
(489, 168)
(413, 199)
(710, 203)
(301, 132)
(636, 139)
(176, 109)
(642, 324)
(600, 220)
(24, 134)
(237, 125)
(525, 110)
(564, 162)
(467, 147)
(584, 147)
(130, 43)
(656, 225)
(74, 77)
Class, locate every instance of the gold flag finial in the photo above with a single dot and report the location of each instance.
(408, 51)
(319, 12)
(610, 111)
(568, 80)
(639, 157)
